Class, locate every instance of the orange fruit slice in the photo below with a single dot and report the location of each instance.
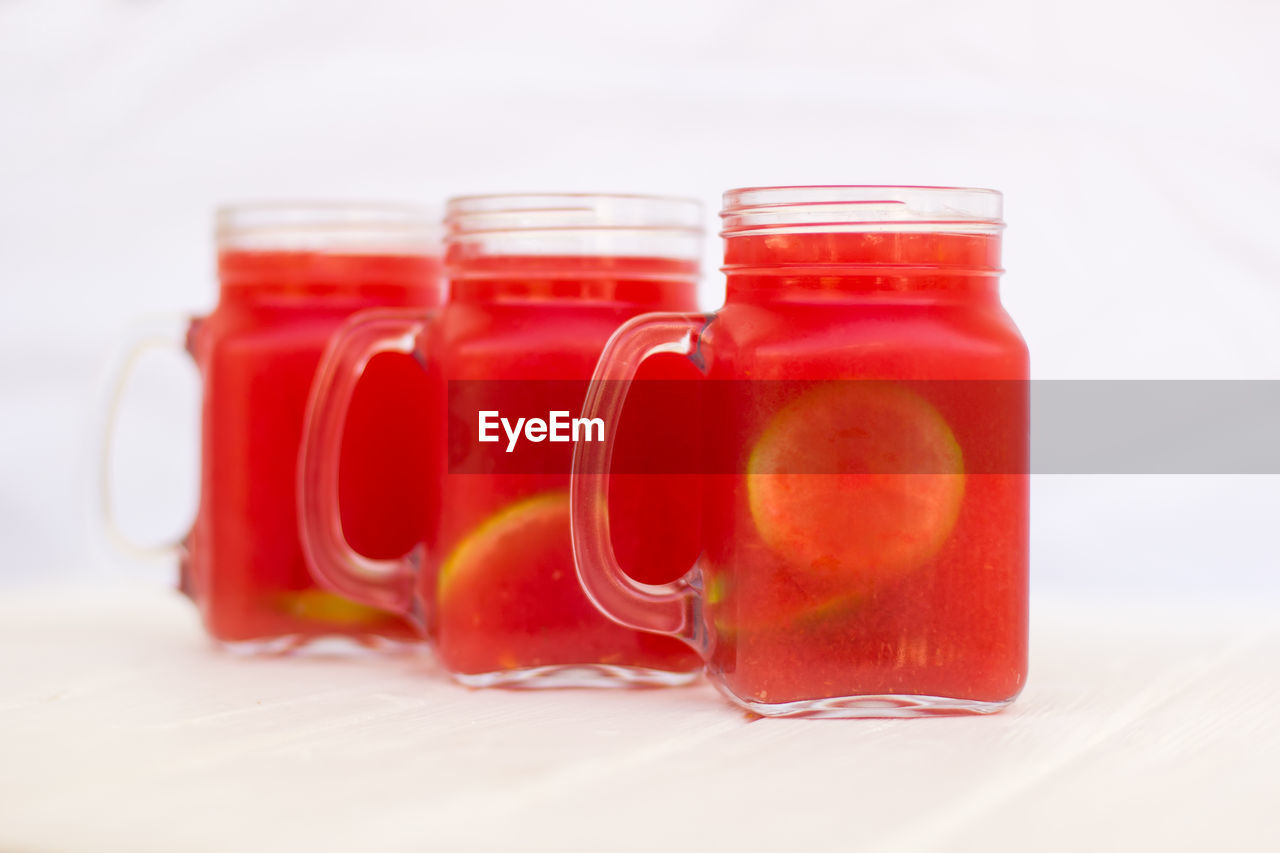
(856, 481)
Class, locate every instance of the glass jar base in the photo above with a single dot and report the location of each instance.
(577, 675)
(881, 706)
(320, 645)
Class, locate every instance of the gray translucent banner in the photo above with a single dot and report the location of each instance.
(1155, 427)
(1129, 427)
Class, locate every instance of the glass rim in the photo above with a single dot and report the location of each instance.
(860, 207)
(557, 212)
(316, 224)
(656, 197)
(842, 187)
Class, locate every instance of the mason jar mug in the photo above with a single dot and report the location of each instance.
(537, 284)
(861, 454)
(289, 276)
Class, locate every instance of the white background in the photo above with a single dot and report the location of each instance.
(1138, 146)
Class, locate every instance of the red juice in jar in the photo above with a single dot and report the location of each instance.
(537, 286)
(290, 275)
(865, 509)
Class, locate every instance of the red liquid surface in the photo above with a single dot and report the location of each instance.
(257, 353)
(824, 585)
(505, 592)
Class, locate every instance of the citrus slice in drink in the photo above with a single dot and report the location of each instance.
(855, 483)
(321, 606)
(529, 532)
(509, 598)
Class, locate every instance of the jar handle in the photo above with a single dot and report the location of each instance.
(385, 584)
(158, 332)
(670, 608)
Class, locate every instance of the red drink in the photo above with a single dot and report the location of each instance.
(289, 278)
(864, 541)
(537, 286)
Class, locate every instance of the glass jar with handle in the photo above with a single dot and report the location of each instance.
(290, 274)
(862, 458)
(537, 284)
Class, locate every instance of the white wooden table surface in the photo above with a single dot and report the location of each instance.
(1153, 726)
